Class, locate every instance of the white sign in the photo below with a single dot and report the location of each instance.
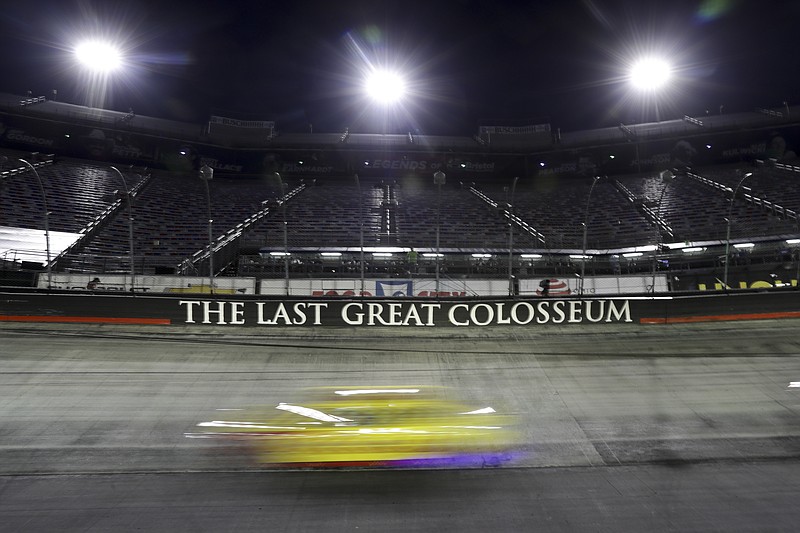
(149, 284)
(395, 287)
(256, 124)
(570, 285)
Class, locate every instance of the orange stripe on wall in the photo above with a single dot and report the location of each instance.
(720, 318)
(86, 319)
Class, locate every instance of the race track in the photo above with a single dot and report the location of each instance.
(693, 427)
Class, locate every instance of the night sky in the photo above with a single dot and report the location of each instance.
(468, 62)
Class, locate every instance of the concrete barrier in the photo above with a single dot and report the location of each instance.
(261, 311)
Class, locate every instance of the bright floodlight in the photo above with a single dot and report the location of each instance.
(98, 56)
(650, 74)
(386, 87)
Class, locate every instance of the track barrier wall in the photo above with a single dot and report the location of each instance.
(262, 311)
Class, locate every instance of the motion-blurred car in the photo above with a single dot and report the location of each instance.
(373, 427)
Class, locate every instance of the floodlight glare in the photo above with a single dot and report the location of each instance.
(650, 74)
(98, 56)
(386, 87)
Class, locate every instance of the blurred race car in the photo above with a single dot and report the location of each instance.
(373, 427)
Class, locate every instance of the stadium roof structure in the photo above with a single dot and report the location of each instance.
(490, 139)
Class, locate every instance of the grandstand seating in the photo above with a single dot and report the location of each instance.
(326, 214)
(780, 187)
(557, 209)
(171, 216)
(77, 192)
(697, 212)
(465, 221)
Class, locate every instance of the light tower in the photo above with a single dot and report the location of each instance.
(207, 174)
(650, 75)
(98, 59)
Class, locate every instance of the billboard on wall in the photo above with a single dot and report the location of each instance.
(118, 283)
(379, 288)
(568, 285)
(395, 288)
(557, 286)
(750, 279)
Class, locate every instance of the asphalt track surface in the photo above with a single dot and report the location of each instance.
(627, 428)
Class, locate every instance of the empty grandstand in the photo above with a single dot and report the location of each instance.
(683, 199)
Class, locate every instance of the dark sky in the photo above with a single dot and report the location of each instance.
(469, 62)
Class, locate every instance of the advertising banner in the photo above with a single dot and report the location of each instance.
(395, 288)
(121, 283)
(565, 286)
(752, 279)
(253, 124)
(380, 288)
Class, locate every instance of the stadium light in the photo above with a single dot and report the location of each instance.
(283, 190)
(128, 198)
(728, 232)
(586, 232)
(650, 73)
(98, 56)
(385, 86)
(439, 179)
(206, 174)
(511, 237)
(360, 232)
(46, 212)
(97, 59)
(667, 178)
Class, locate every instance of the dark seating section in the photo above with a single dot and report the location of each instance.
(558, 208)
(465, 221)
(77, 192)
(399, 212)
(777, 186)
(171, 218)
(696, 211)
(325, 214)
(171, 213)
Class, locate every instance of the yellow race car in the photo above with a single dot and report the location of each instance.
(373, 427)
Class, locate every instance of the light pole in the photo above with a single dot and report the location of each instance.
(46, 222)
(586, 233)
(728, 231)
(511, 237)
(207, 174)
(439, 179)
(129, 200)
(361, 230)
(667, 178)
(281, 186)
